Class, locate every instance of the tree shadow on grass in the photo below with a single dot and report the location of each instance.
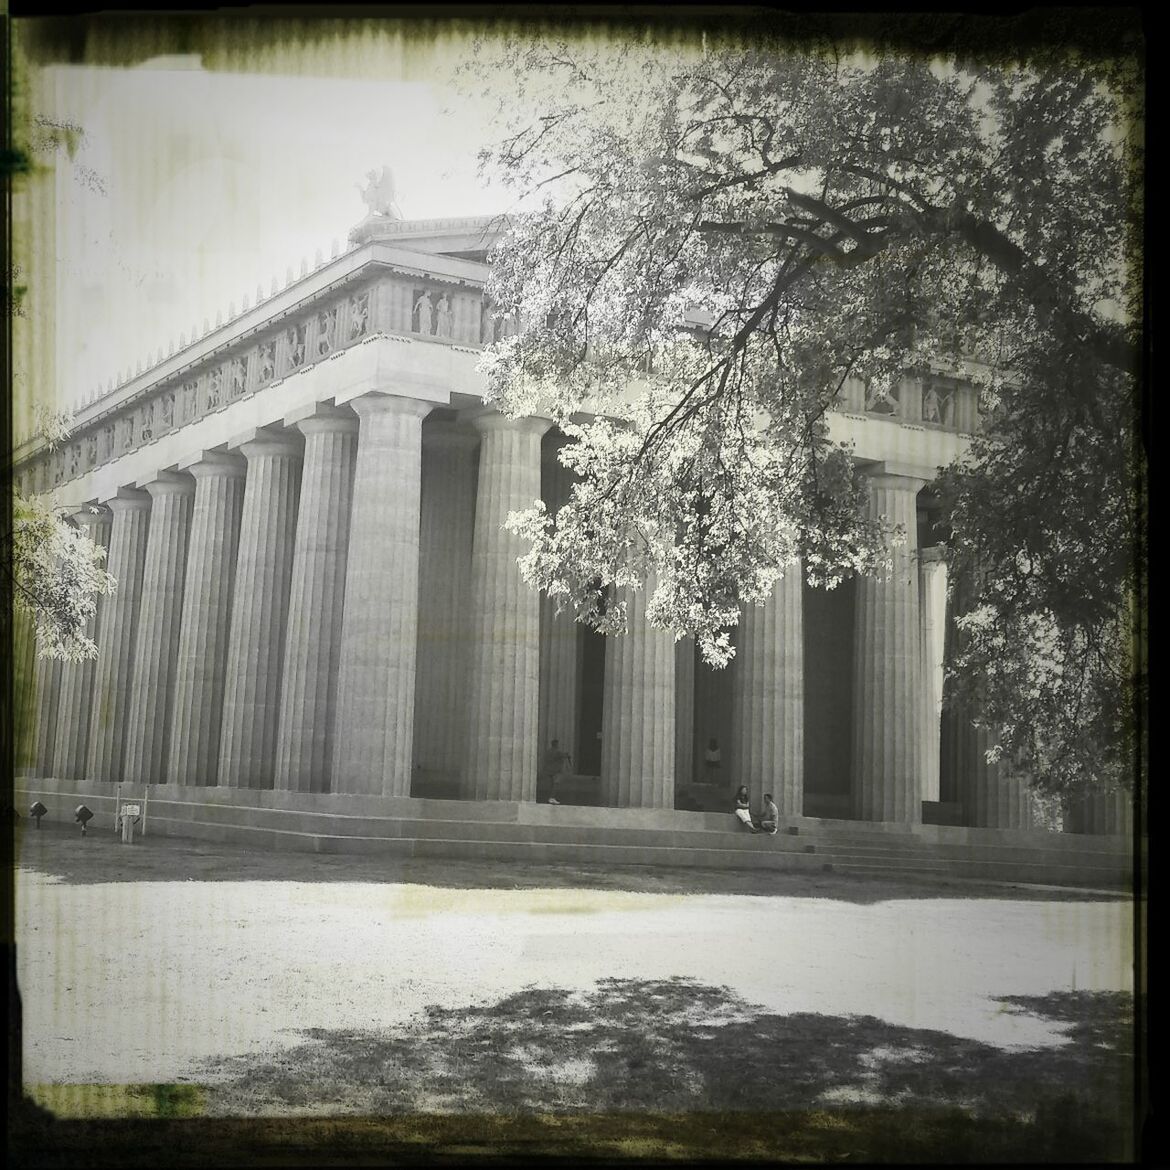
(101, 857)
(683, 1049)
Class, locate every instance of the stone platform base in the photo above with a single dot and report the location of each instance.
(544, 834)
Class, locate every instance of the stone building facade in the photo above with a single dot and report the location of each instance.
(303, 510)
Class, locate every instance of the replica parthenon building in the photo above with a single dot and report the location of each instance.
(303, 509)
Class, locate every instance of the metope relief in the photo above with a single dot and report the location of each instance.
(881, 399)
(495, 325)
(359, 316)
(267, 363)
(326, 332)
(238, 374)
(937, 408)
(126, 432)
(214, 387)
(423, 319)
(190, 401)
(296, 345)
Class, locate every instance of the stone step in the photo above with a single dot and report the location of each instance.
(543, 851)
(530, 852)
(506, 830)
(426, 828)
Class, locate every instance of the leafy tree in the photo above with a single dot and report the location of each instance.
(710, 242)
(54, 568)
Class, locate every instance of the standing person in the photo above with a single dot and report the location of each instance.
(712, 759)
(770, 819)
(743, 808)
(555, 762)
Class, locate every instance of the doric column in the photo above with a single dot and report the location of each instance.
(308, 695)
(769, 697)
(156, 648)
(993, 795)
(887, 703)
(503, 702)
(24, 691)
(558, 641)
(1100, 814)
(637, 714)
(117, 636)
(684, 711)
(251, 698)
(448, 516)
(47, 685)
(375, 686)
(207, 605)
(932, 606)
(76, 693)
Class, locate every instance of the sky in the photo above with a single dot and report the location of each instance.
(188, 188)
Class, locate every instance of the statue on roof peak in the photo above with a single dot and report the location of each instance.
(378, 194)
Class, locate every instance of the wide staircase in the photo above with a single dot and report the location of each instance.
(594, 836)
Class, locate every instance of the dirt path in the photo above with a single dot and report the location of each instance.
(134, 969)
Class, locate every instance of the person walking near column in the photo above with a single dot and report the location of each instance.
(555, 762)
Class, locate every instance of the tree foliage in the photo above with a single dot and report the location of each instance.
(54, 569)
(712, 242)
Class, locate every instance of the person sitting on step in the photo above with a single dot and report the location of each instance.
(770, 818)
(743, 808)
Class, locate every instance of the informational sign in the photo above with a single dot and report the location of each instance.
(131, 810)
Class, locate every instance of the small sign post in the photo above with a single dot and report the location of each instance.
(129, 814)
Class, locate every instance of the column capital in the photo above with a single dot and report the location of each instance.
(375, 403)
(321, 418)
(128, 500)
(932, 554)
(487, 418)
(89, 514)
(260, 442)
(909, 476)
(168, 483)
(209, 463)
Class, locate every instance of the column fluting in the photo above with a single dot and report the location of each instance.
(207, 603)
(448, 516)
(637, 715)
(379, 634)
(559, 641)
(308, 696)
(768, 719)
(160, 612)
(118, 635)
(504, 699)
(994, 796)
(932, 606)
(76, 687)
(47, 687)
(887, 721)
(684, 711)
(251, 697)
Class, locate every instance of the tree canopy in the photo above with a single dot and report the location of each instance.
(712, 241)
(54, 569)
